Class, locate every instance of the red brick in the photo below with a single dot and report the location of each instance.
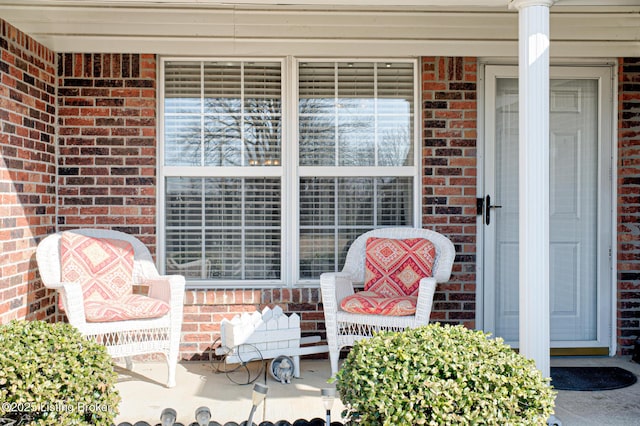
(109, 90)
(197, 337)
(197, 317)
(21, 220)
(209, 327)
(459, 120)
(628, 263)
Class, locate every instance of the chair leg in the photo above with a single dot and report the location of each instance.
(171, 375)
(172, 362)
(296, 366)
(334, 355)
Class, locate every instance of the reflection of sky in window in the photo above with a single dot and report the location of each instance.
(355, 105)
(394, 106)
(327, 105)
(356, 140)
(181, 105)
(394, 136)
(182, 140)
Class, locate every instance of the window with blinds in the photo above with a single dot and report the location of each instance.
(222, 113)
(356, 156)
(350, 150)
(223, 183)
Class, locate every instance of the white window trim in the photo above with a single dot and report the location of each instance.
(289, 171)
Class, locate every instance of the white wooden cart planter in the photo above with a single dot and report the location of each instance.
(269, 334)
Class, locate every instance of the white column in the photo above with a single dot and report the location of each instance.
(534, 179)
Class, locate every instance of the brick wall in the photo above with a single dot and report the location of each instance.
(628, 315)
(449, 87)
(107, 143)
(27, 171)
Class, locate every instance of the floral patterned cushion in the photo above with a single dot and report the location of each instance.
(103, 267)
(133, 306)
(394, 267)
(368, 302)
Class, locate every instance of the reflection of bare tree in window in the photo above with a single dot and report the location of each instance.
(320, 132)
(356, 141)
(238, 122)
(395, 146)
(263, 131)
(316, 127)
(227, 133)
(222, 138)
(354, 135)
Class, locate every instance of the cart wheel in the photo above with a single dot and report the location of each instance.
(218, 357)
(251, 365)
(245, 372)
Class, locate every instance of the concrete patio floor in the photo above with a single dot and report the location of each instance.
(144, 395)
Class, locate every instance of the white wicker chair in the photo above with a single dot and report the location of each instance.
(343, 328)
(122, 338)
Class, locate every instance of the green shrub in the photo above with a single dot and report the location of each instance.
(51, 375)
(441, 375)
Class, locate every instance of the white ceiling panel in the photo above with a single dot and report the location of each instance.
(579, 28)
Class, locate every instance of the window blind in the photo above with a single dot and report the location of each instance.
(222, 113)
(227, 228)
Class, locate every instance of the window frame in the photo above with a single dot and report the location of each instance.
(288, 171)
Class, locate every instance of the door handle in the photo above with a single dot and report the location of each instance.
(488, 207)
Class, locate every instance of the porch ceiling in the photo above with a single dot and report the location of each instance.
(579, 28)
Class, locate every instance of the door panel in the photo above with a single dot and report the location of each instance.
(573, 208)
(579, 284)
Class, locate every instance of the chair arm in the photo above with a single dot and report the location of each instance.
(70, 294)
(335, 286)
(168, 288)
(426, 290)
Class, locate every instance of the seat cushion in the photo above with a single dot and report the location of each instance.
(102, 266)
(394, 267)
(368, 302)
(133, 306)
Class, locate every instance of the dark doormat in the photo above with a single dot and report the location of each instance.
(591, 378)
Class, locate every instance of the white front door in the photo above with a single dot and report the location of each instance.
(580, 205)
